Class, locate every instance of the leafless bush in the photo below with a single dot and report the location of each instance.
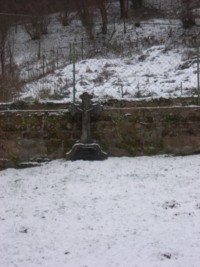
(10, 86)
(67, 14)
(186, 15)
(64, 18)
(36, 26)
(4, 28)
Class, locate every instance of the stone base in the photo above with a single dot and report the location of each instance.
(81, 151)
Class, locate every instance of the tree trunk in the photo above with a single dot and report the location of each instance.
(123, 9)
(4, 27)
(104, 18)
(137, 4)
(2, 59)
(187, 16)
(86, 15)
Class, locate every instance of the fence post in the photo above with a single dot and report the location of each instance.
(181, 88)
(82, 48)
(28, 71)
(43, 66)
(57, 58)
(39, 48)
(74, 72)
(70, 53)
(198, 75)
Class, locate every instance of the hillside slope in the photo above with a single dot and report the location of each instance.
(154, 58)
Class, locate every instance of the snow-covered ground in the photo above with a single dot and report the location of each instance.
(124, 212)
(154, 73)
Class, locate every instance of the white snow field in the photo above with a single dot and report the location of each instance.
(122, 212)
(159, 75)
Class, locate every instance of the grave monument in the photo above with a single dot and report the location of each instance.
(86, 148)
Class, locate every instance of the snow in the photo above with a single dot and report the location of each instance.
(157, 59)
(147, 75)
(142, 211)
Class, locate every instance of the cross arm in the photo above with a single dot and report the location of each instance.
(75, 109)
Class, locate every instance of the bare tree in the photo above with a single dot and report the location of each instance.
(187, 16)
(137, 4)
(8, 70)
(4, 27)
(102, 7)
(123, 9)
(86, 13)
(38, 21)
(5, 23)
(36, 26)
(65, 8)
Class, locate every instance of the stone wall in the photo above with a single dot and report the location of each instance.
(34, 135)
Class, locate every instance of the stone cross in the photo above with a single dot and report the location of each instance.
(85, 109)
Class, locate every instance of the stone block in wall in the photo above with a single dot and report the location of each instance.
(182, 145)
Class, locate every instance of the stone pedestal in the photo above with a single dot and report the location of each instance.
(81, 151)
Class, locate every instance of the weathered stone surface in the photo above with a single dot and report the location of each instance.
(28, 135)
(86, 152)
(86, 148)
(182, 144)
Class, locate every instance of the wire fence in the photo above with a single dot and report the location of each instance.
(144, 71)
(133, 68)
(120, 45)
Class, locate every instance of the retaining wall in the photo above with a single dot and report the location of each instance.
(33, 135)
